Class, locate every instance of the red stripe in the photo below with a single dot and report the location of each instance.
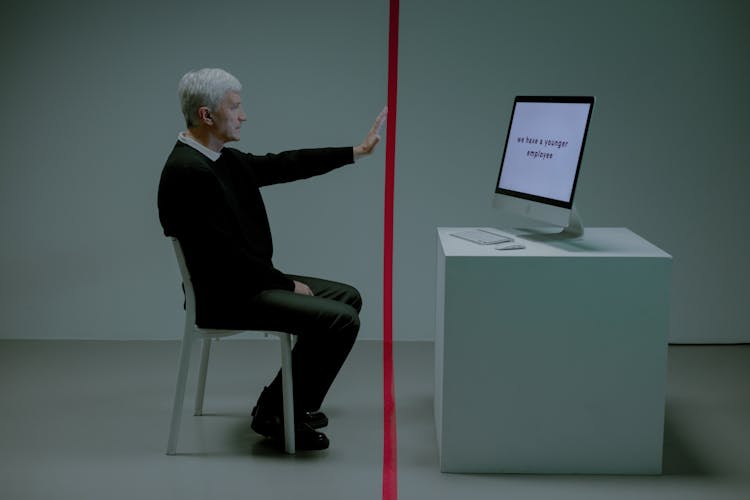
(390, 480)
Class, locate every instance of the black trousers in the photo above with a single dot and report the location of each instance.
(326, 326)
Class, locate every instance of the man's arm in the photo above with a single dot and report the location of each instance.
(304, 163)
(365, 148)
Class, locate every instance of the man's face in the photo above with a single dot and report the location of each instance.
(228, 118)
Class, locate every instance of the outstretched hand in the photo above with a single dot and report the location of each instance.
(373, 136)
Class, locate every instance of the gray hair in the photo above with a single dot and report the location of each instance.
(205, 87)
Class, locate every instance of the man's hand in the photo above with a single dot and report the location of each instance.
(302, 289)
(373, 136)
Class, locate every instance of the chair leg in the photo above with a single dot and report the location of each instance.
(179, 395)
(201, 389)
(288, 392)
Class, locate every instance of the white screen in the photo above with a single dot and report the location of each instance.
(544, 148)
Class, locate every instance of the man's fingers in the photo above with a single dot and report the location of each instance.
(380, 120)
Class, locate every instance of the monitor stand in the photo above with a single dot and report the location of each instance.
(575, 226)
(573, 230)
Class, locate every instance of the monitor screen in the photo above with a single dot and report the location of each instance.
(543, 149)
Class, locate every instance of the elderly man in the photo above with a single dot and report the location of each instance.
(209, 199)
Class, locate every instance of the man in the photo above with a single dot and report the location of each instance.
(209, 199)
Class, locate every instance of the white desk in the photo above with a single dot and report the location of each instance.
(551, 359)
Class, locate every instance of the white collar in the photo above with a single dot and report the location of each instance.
(209, 153)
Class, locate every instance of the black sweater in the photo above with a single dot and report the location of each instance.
(216, 211)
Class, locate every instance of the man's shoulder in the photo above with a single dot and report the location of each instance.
(186, 160)
(182, 154)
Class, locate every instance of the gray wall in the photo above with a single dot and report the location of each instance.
(667, 154)
(91, 88)
(91, 114)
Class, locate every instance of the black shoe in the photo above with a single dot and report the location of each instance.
(272, 426)
(315, 419)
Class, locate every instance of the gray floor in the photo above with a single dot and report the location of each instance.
(88, 420)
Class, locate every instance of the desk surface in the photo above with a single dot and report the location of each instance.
(596, 242)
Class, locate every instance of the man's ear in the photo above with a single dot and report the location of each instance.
(205, 115)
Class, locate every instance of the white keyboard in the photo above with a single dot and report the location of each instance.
(482, 236)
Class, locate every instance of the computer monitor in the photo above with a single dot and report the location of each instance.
(542, 159)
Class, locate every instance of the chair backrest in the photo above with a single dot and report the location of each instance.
(187, 283)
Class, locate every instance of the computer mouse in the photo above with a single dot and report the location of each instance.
(514, 246)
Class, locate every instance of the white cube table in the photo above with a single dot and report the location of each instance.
(552, 358)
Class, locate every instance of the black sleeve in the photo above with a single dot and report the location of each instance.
(294, 165)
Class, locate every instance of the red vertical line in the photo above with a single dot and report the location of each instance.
(390, 479)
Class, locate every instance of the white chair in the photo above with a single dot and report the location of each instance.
(193, 333)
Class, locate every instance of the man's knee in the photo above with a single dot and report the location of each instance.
(346, 324)
(354, 299)
(351, 319)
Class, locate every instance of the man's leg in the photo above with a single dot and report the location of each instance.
(326, 326)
